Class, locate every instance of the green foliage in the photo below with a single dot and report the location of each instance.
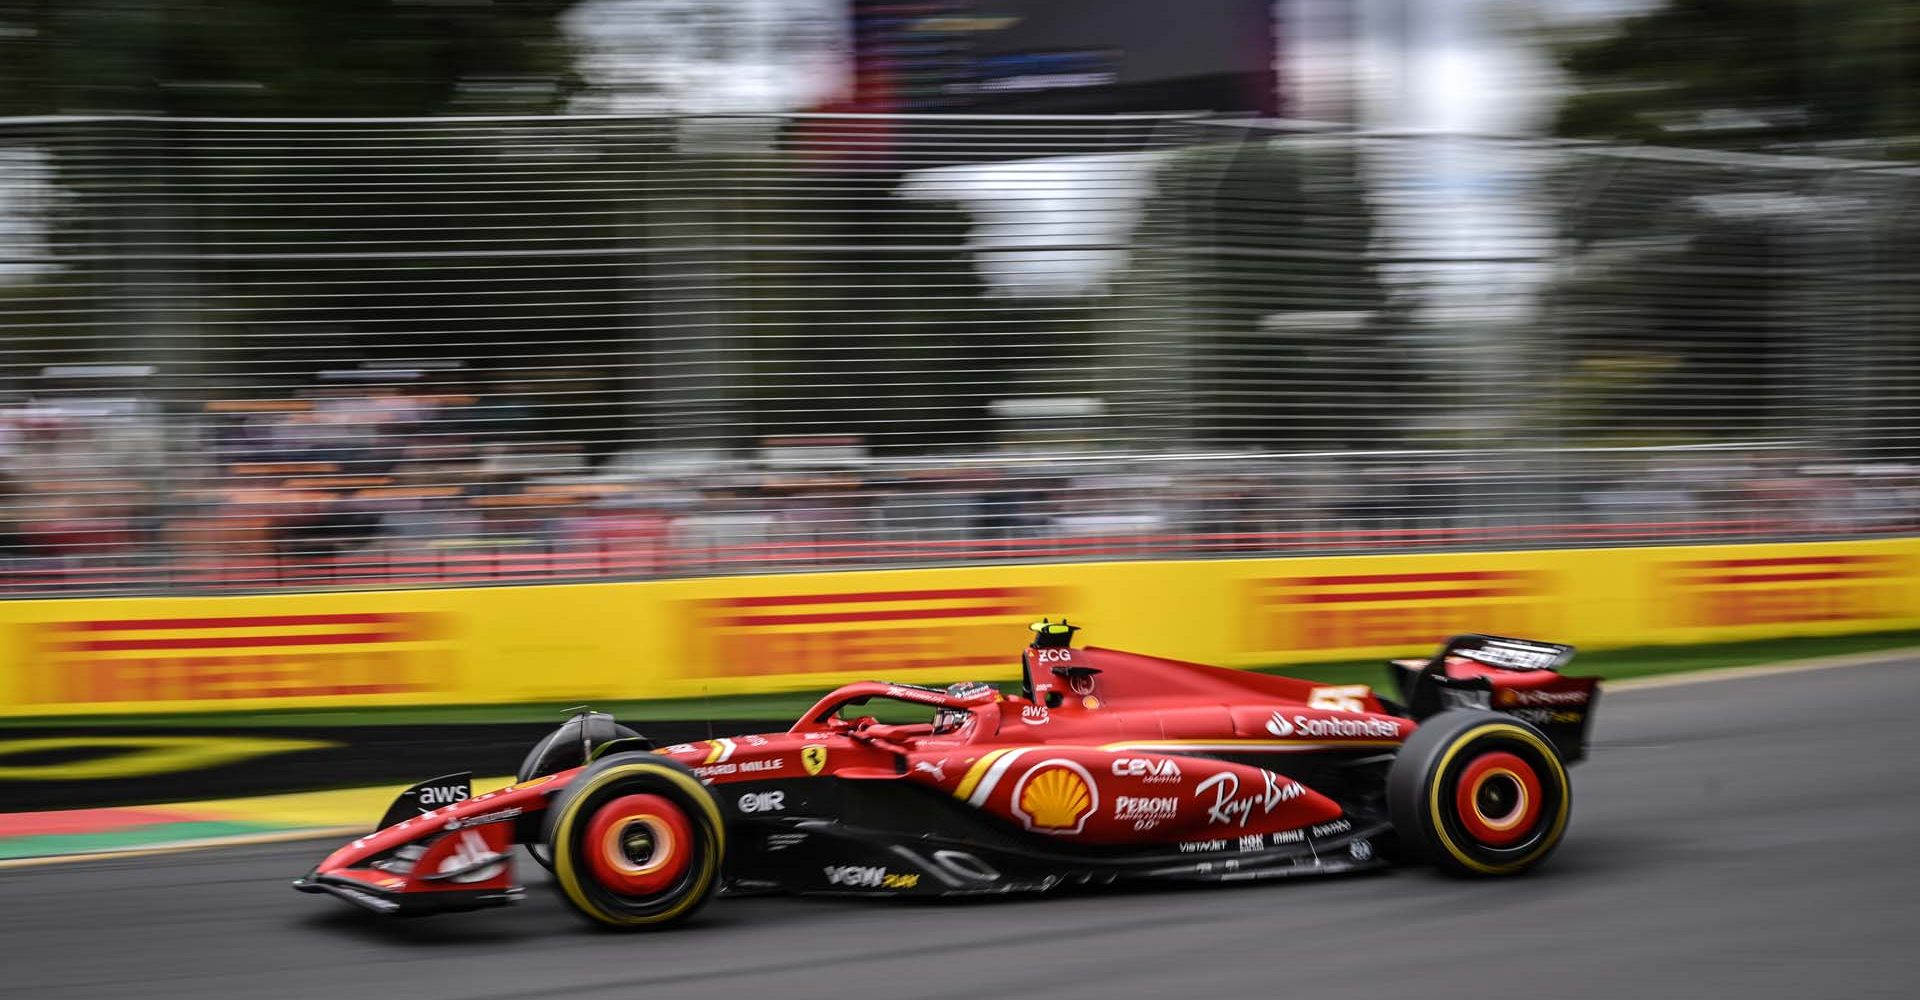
(1292, 335)
(283, 57)
(1710, 298)
(857, 310)
(1748, 73)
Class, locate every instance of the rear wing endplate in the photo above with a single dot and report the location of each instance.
(1559, 705)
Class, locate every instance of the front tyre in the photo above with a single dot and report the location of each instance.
(566, 748)
(1478, 793)
(637, 841)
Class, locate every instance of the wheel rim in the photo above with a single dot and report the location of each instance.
(1498, 799)
(638, 845)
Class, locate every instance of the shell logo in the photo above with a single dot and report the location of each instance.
(1055, 797)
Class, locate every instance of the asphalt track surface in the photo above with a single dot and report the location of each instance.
(1746, 838)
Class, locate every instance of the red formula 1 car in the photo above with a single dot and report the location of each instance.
(1106, 767)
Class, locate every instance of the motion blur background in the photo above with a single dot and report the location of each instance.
(379, 377)
(814, 341)
(299, 295)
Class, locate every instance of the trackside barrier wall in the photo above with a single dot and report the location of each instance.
(685, 638)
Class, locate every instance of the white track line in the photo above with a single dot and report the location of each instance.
(239, 840)
(1761, 670)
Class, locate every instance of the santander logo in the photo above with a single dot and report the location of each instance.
(1341, 728)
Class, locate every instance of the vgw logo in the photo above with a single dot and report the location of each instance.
(870, 877)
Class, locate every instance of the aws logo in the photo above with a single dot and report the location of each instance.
(106, 758)
(1055, 797)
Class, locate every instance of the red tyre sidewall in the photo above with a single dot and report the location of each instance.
(672, 835)
(1498, 831)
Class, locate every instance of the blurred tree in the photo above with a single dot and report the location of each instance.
(856, 308)
(432, 206)
(283, 57)
(1292, 335)
(1746, 73)
(1731, 298)
(1680, 298)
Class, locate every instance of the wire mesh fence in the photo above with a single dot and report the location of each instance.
(248, 354)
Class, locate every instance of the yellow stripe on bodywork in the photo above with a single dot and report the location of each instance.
(976, 772)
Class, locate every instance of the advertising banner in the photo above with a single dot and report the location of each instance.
(729, 635)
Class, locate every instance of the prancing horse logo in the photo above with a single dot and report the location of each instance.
(813, 758)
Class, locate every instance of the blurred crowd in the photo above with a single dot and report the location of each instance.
(351, 485)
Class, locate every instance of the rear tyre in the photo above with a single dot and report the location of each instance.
(637, 841)
(1478, 793)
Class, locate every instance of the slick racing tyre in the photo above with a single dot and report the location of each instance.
(562, 750)
(1479, 793)
(637, 841)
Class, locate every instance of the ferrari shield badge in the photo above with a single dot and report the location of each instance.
(813, 758)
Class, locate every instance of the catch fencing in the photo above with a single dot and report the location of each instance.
(243, 355)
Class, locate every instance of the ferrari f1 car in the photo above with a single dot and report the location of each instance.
(1106, 767)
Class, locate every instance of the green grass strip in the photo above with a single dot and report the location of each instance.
(50, 845)
(1613, 664)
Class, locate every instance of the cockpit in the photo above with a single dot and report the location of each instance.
(895, 712)
(1050, 669)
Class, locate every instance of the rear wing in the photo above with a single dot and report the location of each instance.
(1520, 677)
